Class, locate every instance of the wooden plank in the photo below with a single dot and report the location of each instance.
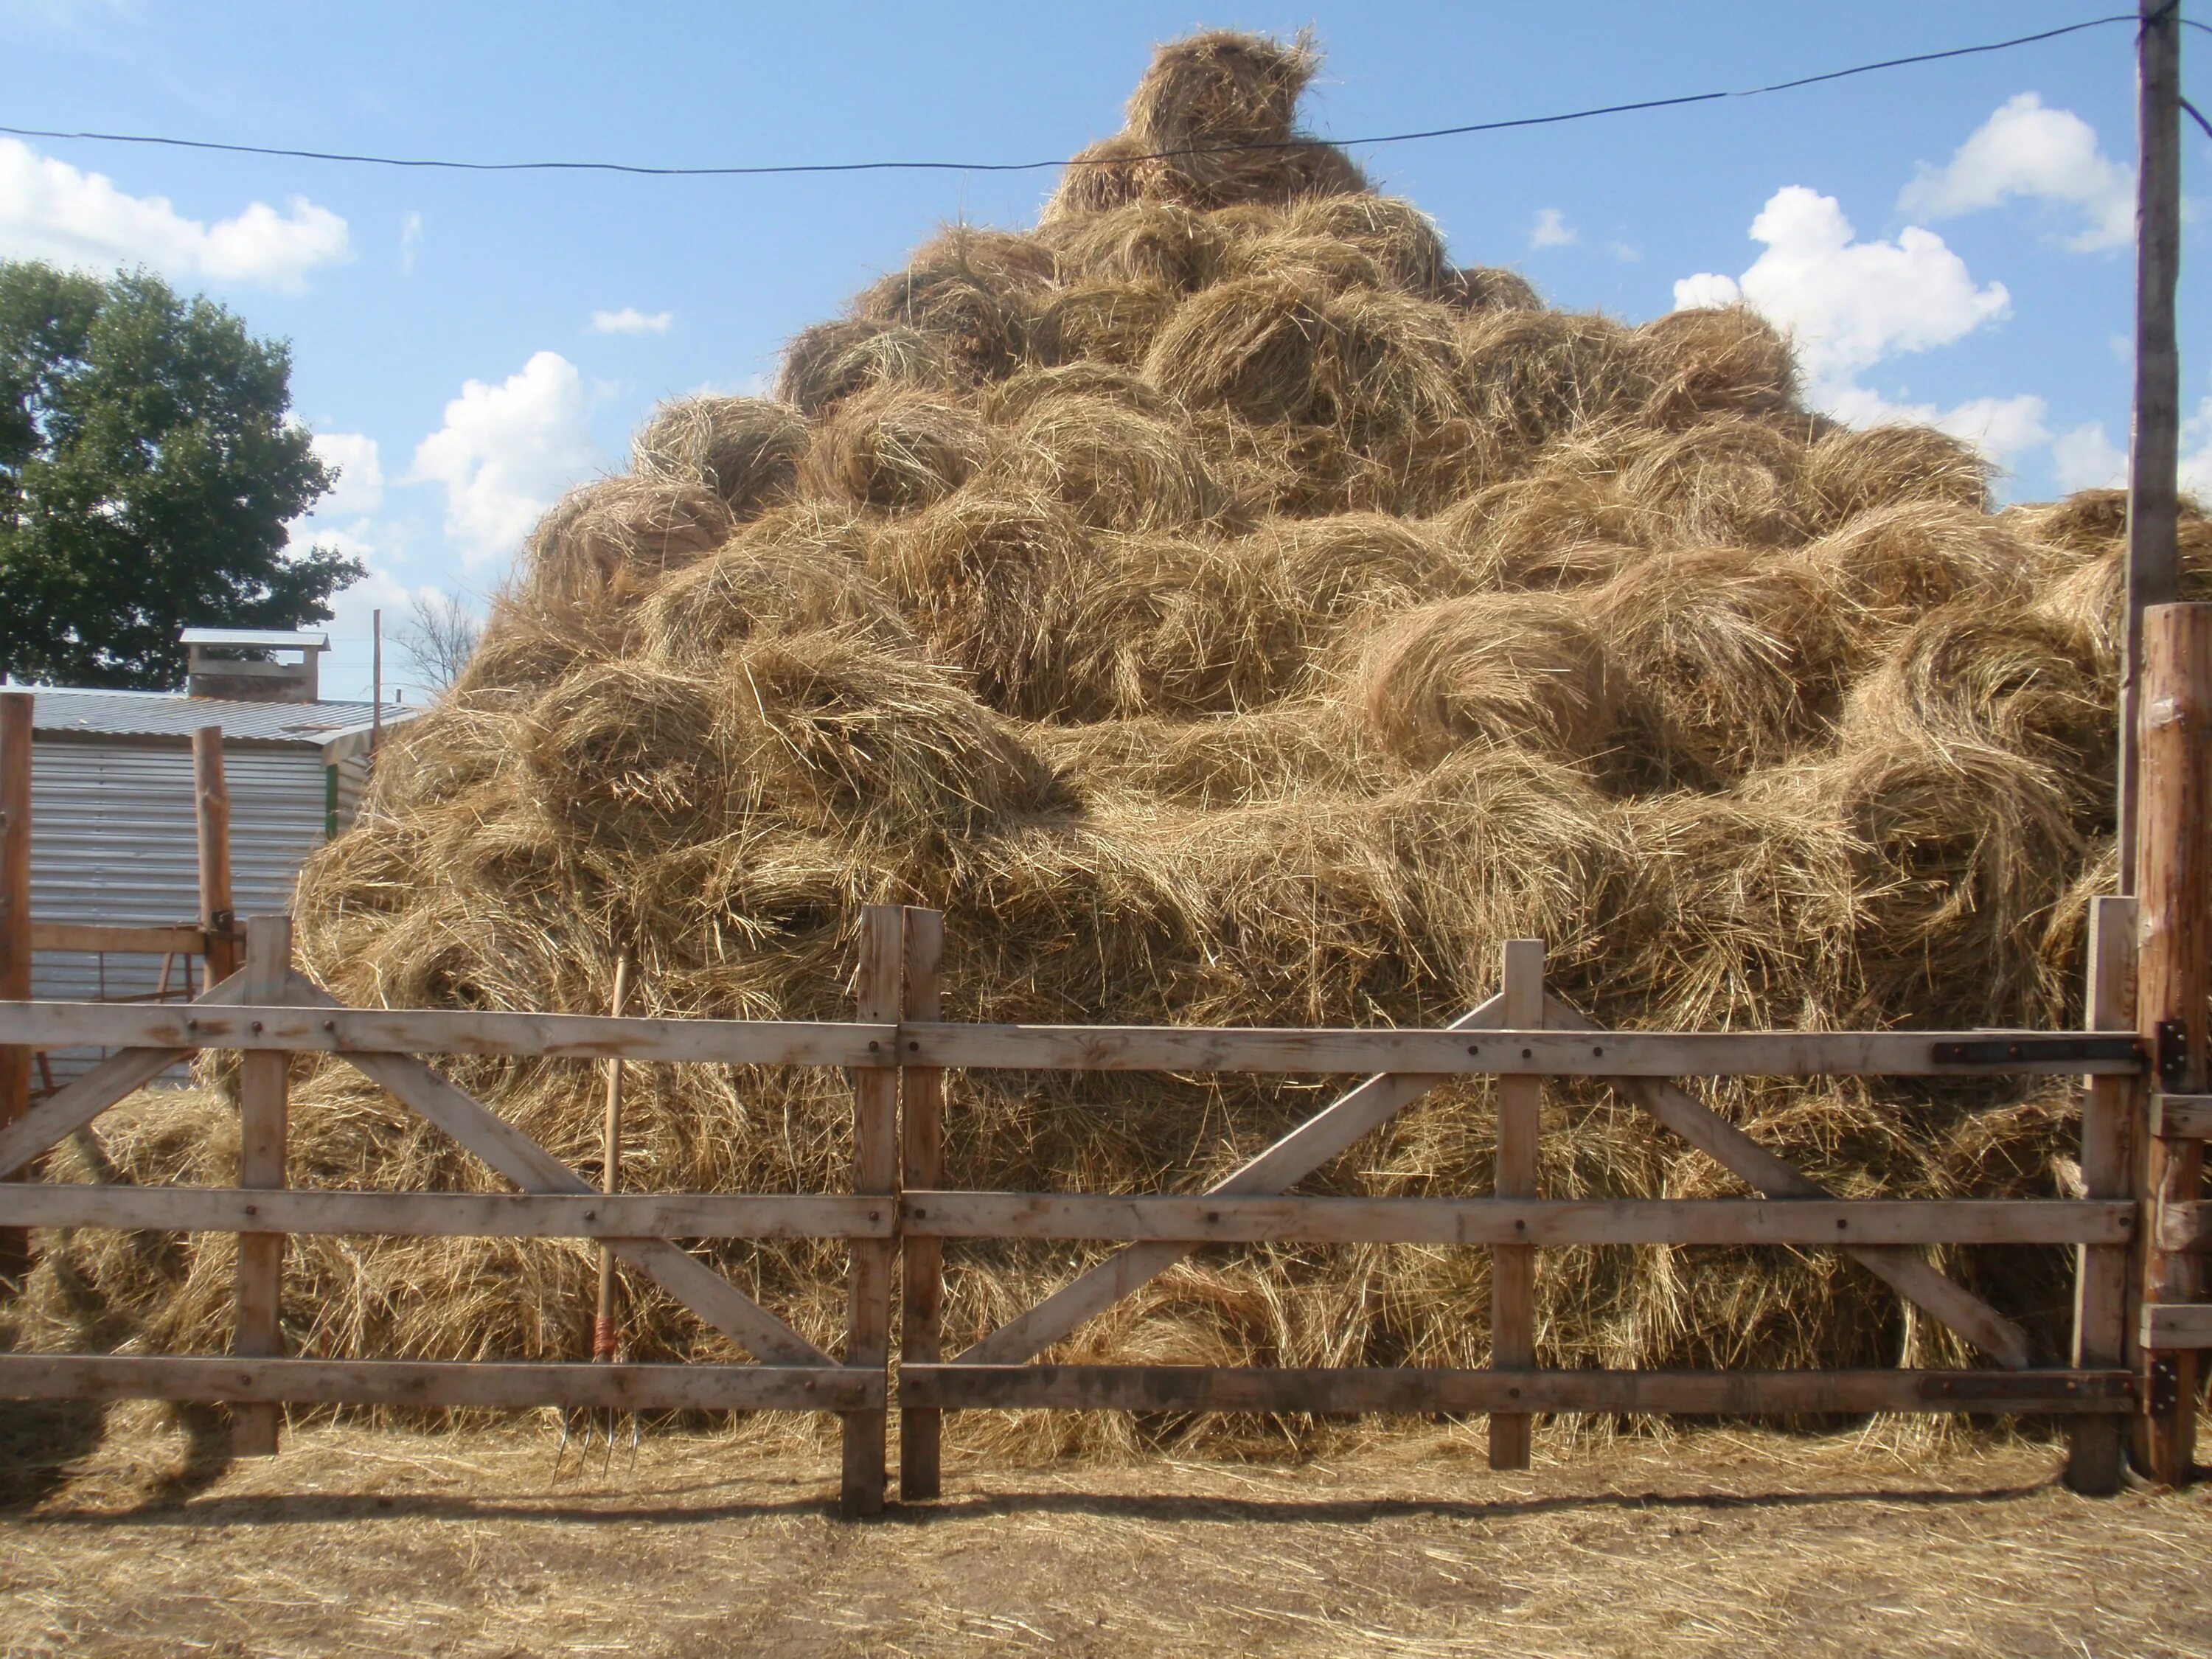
(211, 828)
(98, 936)
(448, 1215)
(17, 726)
(2181, 1117)
(1200, 1387)
(77, 1102)
(921, 1163)
(2173, 979)
(875, 1170)
(607, 1342)
(330, 1028)
(1551, 1054)
(1620, 1221)
(2096, 1449)
(2180, 1226)
(1513, 1266)
(515, 1155)
(1281, 1167)
(262, 1113)
(2177, 1327)
(1900, 1267)
(490, 1383)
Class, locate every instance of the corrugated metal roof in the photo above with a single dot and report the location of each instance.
(56, 710)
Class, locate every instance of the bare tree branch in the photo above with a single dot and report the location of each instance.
(438, 638)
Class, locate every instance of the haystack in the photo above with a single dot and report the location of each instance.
(1226, 609)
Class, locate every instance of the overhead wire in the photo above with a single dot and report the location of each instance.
(768, 169)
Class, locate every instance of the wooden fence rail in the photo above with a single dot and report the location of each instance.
(897, 1215)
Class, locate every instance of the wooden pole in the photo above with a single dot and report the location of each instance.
(262, 1112)
(1513, 1266)
(875, 1170)
(605, 1344)
(2173, 889)
(211, 817)
(921, 1161)
(2096, 1447)
(2154, 564)
(15, 733)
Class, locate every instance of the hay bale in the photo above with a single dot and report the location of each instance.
(746, 450)
(1400, 241)
(1534, 375)
(895, 449)
(1008, 402)
(970, 294)
(1489, 288)
(828, 362)
(1119, 468)
(1259, 347)
(611, 539)
(1157, 244)
(1897, 562)
(1102, 320)
(1715, 361)
(1485, 670)
(795, 571)
(1850, 470)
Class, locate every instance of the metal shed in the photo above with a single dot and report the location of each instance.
(113, 837)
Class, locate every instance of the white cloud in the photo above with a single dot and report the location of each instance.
(50, 210)
(1850, 304)
(1627, 253)
(2000, 428)
(1552, 229)
(505, 452)
(631, 321)
(359, 464)
(2044, 154)
(2085, 458)
(411, 242)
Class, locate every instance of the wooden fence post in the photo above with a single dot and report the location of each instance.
(15, 728)
(211, 816)
(2174, 865)
(261, 1130)
(875, 1170)
(2096, 1447)
(1513, 1266)
(921, 1158)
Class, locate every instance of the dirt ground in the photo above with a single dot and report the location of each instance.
(132, 1536)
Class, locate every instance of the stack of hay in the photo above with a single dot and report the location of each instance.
(1227, 609)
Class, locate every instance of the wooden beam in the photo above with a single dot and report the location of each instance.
(98, 936)
(1200, 1387)
(15, 944)
(1281, 1167)
(1615, 1221)
(485, 1383)
(2177, 1327)
(1513, 1266)
(2181, 1117)
(262, 1122)
(2096, 1453)
(1549, 1054)
(1900, 1267)
(330, 1028)
(515, 1155)
(921, 1163)
(875, 1170)
(2180, 1226)
(84, 1098)
(447, 1215)
(211, 825)
(2173, 977)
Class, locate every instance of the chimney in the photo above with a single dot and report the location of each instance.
(246, 665)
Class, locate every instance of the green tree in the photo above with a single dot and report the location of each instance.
(148, 469)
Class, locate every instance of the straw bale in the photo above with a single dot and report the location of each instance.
(1852, 469)
(613, 538)
(1729, 479)
(1010, 399)
(1097, 178)
(1713, 360)
(746, 450)
(1154, 243)
(830, 362)
(972, 307)
(1896, 562)
(1101, 321)
(1221, 87)
(799, 569)
(1489, 288)
(1119, 468)
(1534, 375)
(1259, 346)
(1482, 671)
(896, 449)
(1401, 241)
(1327, 265)
(1557, 527)
(2086, 583)
(1217, 762)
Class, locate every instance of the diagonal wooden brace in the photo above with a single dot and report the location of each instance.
(529, 1166)
(1902, 1267)
(1282, 1166)
(68, 1109)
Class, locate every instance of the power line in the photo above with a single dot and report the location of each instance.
(765, 170)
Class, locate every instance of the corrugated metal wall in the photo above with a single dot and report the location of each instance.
(113, 840)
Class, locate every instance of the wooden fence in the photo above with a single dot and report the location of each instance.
(897, 1213)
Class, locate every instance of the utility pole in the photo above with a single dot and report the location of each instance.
(2153, 565)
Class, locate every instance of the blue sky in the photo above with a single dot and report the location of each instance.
(1949, 241)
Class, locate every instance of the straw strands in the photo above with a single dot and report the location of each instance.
(1226, 608)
